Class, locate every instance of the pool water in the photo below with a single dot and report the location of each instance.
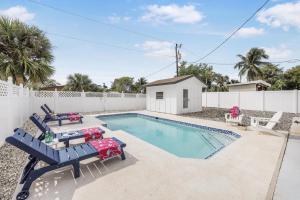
(182, 139)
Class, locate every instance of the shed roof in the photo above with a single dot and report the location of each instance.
(251, 82)
(169, 81)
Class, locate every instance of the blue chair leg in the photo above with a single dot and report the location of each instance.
(67, 143)
(76, 167)
(123, 155)
(32, 176)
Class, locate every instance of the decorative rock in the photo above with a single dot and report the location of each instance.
(12, 163)
(217, 114)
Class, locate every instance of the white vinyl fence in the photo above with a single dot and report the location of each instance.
(18, 103)
(284, 100)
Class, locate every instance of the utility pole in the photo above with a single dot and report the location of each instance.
(177, 56)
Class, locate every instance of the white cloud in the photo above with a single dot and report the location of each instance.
(114, 19)
(281, 52)
(18, 12)
(186, 14)
(250, 32)
(157, 48)
(284, 15)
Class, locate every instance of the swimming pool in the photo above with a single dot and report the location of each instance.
(179, 138)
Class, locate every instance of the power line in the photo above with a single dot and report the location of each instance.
(294, 60)
(233, 33)
(161, 69)
(96, 21)
(99, 43)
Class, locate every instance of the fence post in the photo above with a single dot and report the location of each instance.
(21, 90)
(296, 101)
(22, 110)
(10, 117)
(31, 97)
(82, 93)
(55, 100)
(239, 99)
(83, 100)
(218, 99)
(263, 100)
(104, 101)
(9, 86)
(206, 98)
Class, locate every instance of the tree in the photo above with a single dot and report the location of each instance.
(25, 52)
(122, 84)
(279, 84)
(221, 82)
(79, 82)
(292, 78)
(96, 88)
(139, 85)
(273, 74)
(232, 81)
(38, 86)
(250, 64)
(104, 86)
(203, 71)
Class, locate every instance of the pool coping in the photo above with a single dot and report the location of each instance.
(227, 132)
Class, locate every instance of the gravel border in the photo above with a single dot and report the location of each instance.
(12, 164)
(217, 114)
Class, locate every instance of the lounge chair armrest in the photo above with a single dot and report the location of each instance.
(227, 115)
(265, 119)
(254, 121)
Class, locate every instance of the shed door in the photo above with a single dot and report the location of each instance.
(185, 98)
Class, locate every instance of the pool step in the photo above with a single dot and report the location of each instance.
(213, 141)
(223, 138)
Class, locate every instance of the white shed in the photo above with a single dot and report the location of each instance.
(177, 95)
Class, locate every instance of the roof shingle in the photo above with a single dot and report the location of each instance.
(169, 80)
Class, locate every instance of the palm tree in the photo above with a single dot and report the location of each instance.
(207, 73)
(139, 85)
(250, 64)
(142, 81)
(25, 52)
(78, 82)
(221, 81)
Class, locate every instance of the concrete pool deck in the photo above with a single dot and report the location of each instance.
(243, 170)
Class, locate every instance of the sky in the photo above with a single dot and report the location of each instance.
(109, 39)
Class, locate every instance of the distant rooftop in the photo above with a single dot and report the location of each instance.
(261, 82)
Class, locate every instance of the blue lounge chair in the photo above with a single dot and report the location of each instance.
(53, 113)
(50, 117)
(38, 151)
(61, 137)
